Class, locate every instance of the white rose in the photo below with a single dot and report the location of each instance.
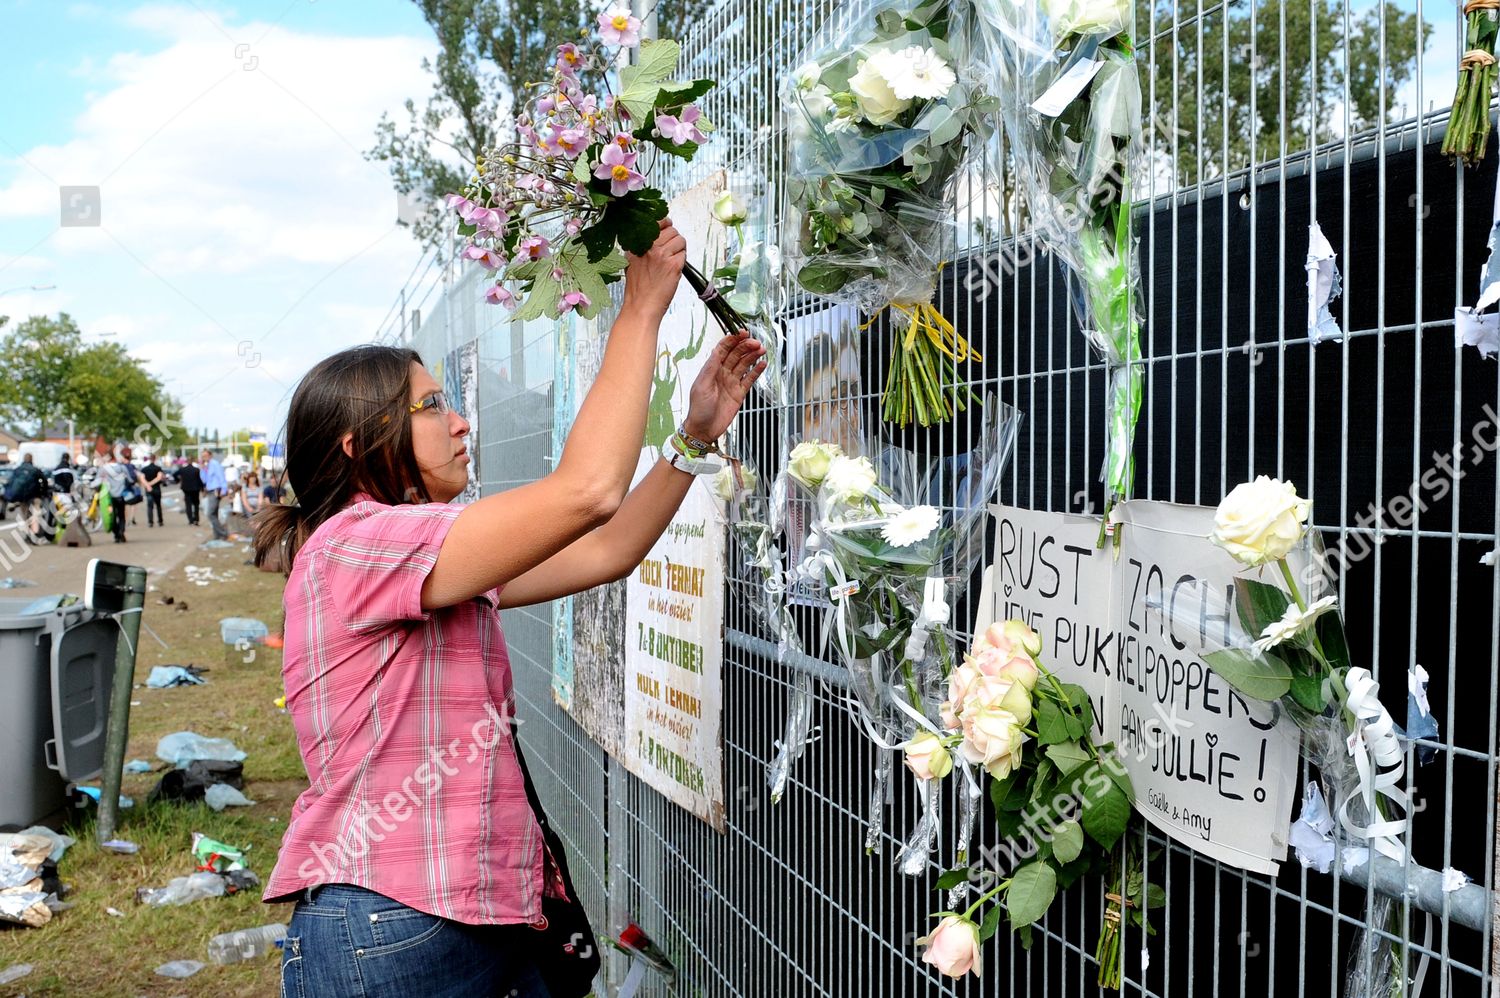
(729, 208)
(850, 478)
(810, 461)
(873, 94)
(1087, 17)
(807, 75)
(723, 482)
(1010, 635)
(927, 757)
(1260, 521)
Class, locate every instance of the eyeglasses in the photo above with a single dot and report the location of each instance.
(437, 402)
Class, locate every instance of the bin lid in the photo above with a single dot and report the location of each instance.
(83, 670)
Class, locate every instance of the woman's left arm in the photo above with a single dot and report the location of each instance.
(614, 550)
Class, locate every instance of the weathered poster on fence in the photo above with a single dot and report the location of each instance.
(674, 601)
(1048, 571)
(1212, 769)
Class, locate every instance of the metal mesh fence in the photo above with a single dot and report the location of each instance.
(1264, 117)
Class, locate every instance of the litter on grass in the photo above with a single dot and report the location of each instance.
(59, 841)
(120, 846)
(138, 766)
(11, 582)
(215, 855)
(14, 972)
(92, 793)
(165, 676)
(181, 747)
(222, 795)
(180, 968)
(183, 890)
(234, 630)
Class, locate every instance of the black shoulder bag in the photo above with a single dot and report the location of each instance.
(567, 953)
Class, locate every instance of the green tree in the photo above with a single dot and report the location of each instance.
(37, 355)
(1282, 79)
(490, 52)
(109, 392)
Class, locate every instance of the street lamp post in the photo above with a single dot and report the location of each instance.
(29, 287)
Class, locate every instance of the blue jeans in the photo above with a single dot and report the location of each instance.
(348, 942)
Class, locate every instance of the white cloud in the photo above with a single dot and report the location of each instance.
(234, 198)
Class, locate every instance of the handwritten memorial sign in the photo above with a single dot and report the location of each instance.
(1048, 572)
(1211, 768)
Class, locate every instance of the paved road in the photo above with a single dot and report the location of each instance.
(61, 569)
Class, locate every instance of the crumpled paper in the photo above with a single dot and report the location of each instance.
(1312, 833)
(1324, 284)
(1470, 327)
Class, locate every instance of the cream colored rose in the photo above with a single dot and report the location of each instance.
(927, 757)
(873, 94)
(723, 482)
(729, 208)
(1087, 17)
(1260, 521)
(998, 691)
(960, 681)
(953, 947)
(850, 478)
(1011, 634)
(992, 739)
(810, 461)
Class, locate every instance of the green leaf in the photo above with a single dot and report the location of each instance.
(581, 170)
(823, 278)
(1115, 769)
(1067, 841)
(1330, 631)
(1105, 815)
(1307, 690)
(1025, 933)
(1068, 756)
(682, 150)
(678, 94)
(629, 220)
(1265, 677)
(1010, 793)
(1052, 727)
(541, 301)
(953, 878)
(1030, 894)
(641, 83)
(991, 923)
(1259, 604)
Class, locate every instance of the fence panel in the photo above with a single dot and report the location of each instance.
(1264, 117)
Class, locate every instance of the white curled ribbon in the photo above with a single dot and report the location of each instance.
(934, 613)
(1378, 758)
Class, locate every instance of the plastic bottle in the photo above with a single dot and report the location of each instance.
(246, 944)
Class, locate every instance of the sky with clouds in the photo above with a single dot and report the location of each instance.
(239, 234)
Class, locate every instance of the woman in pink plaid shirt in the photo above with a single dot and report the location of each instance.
(418, 859)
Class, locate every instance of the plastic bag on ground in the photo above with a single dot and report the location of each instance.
(182, 747)
(59, 841)
(25, 908)
(193, 781)
(14, 972)
(236, 629)
(215, 855)
(164, 676)
(183, 890)
(222, 795)
(180, 968)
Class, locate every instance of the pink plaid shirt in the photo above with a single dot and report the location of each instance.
(401, 717)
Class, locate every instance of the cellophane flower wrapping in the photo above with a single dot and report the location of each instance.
(888, 537)
(1282, 642)
(750, 281)
(883, 112)
(1070, 97)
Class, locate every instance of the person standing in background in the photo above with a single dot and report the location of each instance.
(214, 487)
(151, 478)
(191, 480)
(117, 474)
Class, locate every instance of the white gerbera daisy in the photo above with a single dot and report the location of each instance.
(1292, 623)
(912, 525)
(916, 72)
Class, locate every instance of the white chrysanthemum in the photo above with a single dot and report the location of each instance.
(1293, 622)
(916, 72)
(906, 528)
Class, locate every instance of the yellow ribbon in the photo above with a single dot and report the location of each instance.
(926, 320)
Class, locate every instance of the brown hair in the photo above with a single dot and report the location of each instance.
(365, 391)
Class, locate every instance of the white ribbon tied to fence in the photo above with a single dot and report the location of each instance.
(1381, 764)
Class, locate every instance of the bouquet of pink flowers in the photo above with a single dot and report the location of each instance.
(550, 212)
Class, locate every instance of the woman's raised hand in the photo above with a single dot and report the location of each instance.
(722, 385)
(651, 279)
